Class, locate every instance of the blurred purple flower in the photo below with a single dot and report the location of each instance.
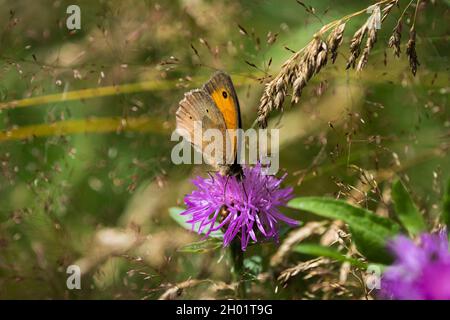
(251, 205)
(420, 272)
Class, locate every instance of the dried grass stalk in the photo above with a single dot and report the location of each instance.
(315, 57)
(335, 40)
(276, 90)
(303, 65)
(387, 9)
(175, 291)
(287, 274)
(294, 238)
(371, 39)
(355, 46)
(411, 51)
(395, 39)
(371, 29)
(294, 73)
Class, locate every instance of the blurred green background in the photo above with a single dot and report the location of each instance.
(89, 180)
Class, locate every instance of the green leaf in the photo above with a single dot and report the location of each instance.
(253, 265)
(446, 207)
(328, 252)
(368, 247)
(407, 212)
(202, 246)
(175, 214)
(369, 231)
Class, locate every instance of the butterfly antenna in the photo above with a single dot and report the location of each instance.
(265, 186)
(225, 188)
(243, 189)
(210, 175)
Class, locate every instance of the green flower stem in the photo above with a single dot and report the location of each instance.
(237, 255)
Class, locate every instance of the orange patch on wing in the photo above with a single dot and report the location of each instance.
(229, 111)
(226, 107)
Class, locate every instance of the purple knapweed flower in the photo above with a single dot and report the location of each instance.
(244, 208)
(420, 271)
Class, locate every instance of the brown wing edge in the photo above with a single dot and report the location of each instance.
(192, 108)
(222, 77)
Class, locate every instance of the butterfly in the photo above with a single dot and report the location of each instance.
(215, 106)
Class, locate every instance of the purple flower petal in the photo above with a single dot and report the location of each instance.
(420, 271)
(252, 204)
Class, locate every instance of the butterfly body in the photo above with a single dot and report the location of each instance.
(214, 106)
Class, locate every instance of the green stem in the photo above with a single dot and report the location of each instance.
(237, 255)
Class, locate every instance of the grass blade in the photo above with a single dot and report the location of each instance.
(370, 232)
(175, 214)
(328, 252)
(406, 210)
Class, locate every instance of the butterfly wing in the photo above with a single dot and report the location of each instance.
(222, 92)
(221, 89)
(197, 108)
